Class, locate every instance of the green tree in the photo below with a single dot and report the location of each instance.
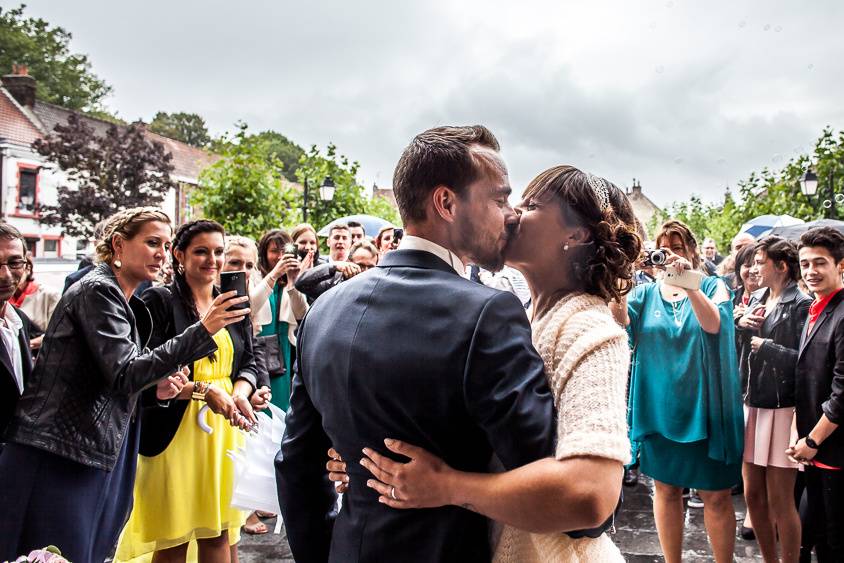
(273, 145)
(244, 191)
(64, 78)
(105, 174)
(280, 147)
(775, 192)
(189, 128)
(349, 196)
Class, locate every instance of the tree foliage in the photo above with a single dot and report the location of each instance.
(775, 192)
(275, 147)
(105, 174)
(349, 196)
(189, 128)
(244, 190)
(280, 147)
(63, 78)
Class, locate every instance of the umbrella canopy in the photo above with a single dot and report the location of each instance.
(794, 231)
(762, 225)
(371, 224)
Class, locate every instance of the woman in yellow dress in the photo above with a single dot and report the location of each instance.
(185, 479)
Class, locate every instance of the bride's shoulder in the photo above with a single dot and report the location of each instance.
(584, 318)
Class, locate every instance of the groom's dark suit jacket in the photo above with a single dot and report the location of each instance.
(413, 351)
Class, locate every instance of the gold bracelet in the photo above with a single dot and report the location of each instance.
(200, 388)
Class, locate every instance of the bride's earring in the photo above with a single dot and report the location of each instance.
(566, 247)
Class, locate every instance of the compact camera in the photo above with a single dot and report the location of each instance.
(654, 257)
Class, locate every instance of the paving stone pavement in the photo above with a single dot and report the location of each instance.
(635, 535)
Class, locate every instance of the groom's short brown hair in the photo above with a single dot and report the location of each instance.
(438, 157)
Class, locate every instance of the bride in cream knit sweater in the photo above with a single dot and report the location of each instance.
(576, 246)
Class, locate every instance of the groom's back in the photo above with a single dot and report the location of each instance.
(412, 351)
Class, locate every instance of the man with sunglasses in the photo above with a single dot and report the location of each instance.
(15, 361)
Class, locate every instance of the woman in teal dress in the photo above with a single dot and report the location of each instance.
(280, 306)
(685, 412)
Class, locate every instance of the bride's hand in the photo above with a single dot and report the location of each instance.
(423, 482)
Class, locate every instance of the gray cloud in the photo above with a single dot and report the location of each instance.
(686, 96)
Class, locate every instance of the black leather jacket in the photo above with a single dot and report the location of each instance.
(91, 370)
(768, 375)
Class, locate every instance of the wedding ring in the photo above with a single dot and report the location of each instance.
(393, 493)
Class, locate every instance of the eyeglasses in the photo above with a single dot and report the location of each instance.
(14, 264)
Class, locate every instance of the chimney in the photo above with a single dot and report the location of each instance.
(21, 85)
(637, 187)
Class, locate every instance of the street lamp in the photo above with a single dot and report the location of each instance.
(809, 183)
(809, 187)
(326, 193)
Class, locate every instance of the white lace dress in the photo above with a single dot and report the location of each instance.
(586, 357)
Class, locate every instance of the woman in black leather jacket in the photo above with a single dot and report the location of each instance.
(66, 475)
(183, 440)
(769, 337)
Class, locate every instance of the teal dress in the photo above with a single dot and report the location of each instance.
(685, 413)
(279, 386)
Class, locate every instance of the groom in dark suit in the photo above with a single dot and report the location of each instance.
(414, 351)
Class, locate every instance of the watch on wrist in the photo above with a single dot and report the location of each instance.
(811, 443)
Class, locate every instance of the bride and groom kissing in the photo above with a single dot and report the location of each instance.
(418, 378)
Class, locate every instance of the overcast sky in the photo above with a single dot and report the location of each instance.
(687, 96)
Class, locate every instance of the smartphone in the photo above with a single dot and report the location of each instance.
(234, 281)
(291, 249)
(398, 234)
(688, 279)
(759, 311)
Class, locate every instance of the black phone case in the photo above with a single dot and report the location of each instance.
(234, 281)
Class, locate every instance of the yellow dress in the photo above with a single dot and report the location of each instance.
(184, 493)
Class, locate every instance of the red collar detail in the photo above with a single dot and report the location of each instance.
(817, 307)
(30, 288)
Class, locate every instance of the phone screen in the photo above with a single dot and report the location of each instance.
(234, 281)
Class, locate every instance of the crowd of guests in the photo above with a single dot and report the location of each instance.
(106, 390)
(736, 384)
(741, 386)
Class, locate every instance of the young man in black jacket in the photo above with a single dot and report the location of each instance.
(819, 393)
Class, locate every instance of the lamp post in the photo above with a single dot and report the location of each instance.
(326, 193)
(809, 187)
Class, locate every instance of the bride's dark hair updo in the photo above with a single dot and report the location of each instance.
(604, 266)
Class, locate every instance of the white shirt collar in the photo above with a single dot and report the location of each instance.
(13, 319)
(410, 242)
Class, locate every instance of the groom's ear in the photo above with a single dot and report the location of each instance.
(444, 200)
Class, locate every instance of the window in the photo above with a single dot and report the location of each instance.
(51, 245)
(27, 189)
(31, 245)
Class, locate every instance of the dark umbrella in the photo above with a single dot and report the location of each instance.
(793, 232)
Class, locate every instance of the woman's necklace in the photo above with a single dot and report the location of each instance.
(678, 312)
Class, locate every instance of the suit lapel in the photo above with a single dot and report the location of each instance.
(26, 357)
(805, 339)
(6, 360)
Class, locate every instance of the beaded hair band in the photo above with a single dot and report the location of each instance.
(599, 186)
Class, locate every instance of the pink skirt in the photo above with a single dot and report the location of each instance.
(767, 434)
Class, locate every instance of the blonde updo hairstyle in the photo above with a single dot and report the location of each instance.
(242, 242)
(125, 224)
